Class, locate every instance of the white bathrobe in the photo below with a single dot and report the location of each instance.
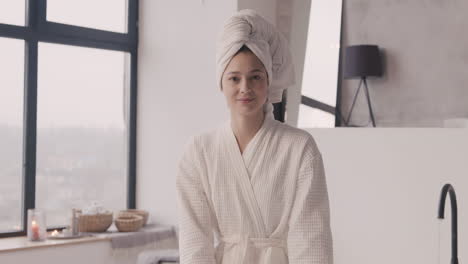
(268, 205)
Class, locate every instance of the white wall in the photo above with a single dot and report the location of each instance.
(177, 92)
(384, 187)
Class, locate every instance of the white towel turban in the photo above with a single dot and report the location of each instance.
(247, 27)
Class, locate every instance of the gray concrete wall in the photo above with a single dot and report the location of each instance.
(425, 60)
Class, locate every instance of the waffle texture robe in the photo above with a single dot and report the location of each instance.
(267, 205)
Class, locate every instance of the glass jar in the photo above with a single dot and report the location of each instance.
(37, 228)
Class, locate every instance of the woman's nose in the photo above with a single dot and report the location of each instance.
(244, 86)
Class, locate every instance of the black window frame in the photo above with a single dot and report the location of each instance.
(38, 29)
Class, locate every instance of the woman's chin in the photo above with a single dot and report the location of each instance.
(248, 112)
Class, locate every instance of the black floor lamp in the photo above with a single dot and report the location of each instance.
(362, 61)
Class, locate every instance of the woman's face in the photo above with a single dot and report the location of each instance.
(245, 84)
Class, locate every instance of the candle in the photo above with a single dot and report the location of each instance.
(36, 225)
(35, 230)
(55, 233)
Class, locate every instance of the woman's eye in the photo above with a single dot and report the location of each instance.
(257, 77)
(234, 79)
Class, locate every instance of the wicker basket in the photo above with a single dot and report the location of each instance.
(95, 223)
(128, 222)
(141, 213)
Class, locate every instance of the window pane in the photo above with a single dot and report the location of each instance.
(81, 137)
(102, 14)
(12, 12)
(11, 133)
(320, 77)
(312, 117)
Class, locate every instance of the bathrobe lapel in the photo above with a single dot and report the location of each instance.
(241, 164)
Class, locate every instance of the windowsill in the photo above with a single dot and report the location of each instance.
(22, 243)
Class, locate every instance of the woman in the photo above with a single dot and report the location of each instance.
(253, 190)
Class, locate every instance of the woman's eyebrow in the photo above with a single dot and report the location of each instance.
(254, 70)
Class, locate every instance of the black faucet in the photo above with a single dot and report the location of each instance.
(453, 199)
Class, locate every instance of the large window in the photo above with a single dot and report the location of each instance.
(67, 108)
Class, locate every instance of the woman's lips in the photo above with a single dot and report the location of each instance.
(245, 101)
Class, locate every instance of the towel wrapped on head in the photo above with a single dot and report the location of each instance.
(248, 28)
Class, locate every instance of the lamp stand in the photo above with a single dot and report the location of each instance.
(366, 90)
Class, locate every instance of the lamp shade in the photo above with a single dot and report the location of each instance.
(362, 61)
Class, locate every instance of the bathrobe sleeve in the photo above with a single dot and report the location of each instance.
(196, 242)
(309, 236)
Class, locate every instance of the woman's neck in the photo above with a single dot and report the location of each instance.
(245, 128)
